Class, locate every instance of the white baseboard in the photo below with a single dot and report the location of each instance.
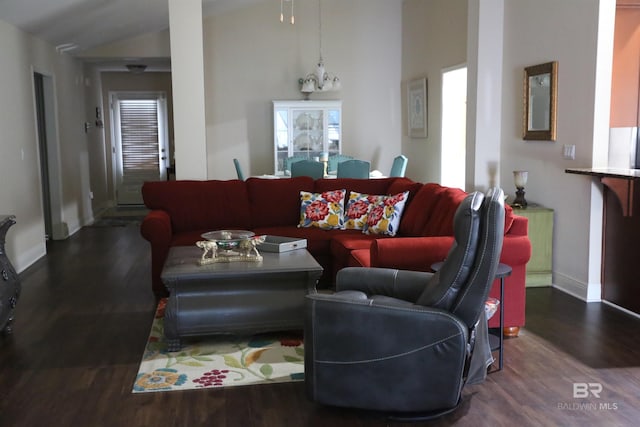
(576, 288)
(26, 259)
(624, 310)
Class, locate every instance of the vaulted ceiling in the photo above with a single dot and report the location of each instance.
(78, 25)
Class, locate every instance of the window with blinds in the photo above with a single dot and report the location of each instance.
(139, 140)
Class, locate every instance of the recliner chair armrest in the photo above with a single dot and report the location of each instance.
(403, 284)
(357, 344)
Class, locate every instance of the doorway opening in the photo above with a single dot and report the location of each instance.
(140, 150)
(454, 126)
(49, 160)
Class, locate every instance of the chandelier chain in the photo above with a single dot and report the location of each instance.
(320, 26)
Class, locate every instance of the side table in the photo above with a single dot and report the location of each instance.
(9, 281)
(496, 338)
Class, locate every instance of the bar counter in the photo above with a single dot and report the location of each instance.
(619, 181)
(621, 234)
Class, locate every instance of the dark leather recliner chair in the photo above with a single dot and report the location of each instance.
(403, 342)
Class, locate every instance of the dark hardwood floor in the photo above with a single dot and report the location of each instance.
(86, 309)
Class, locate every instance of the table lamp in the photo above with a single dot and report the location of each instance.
(520, 179)
(324, 158)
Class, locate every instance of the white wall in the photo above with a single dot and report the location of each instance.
(20, 191)
(533, 35)
(251, 59)
(434, 37)
(484, 93)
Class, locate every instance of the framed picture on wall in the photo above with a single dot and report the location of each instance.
(417, 108)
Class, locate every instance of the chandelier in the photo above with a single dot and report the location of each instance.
(319, 80)
(293, 18)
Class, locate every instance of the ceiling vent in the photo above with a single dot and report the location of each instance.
(136, 68)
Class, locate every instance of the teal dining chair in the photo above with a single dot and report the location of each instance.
(354, 169)
(399, 166)
(332, 163)
(307, 168)
(236, 162)
(291, 160)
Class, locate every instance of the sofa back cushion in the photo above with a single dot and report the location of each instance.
(276, 202)
(440, 222)
(429, 212)
(367, 186)
(400, 185)
(419, 209)
(200, 205)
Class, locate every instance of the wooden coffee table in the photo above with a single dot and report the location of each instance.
(235, 297)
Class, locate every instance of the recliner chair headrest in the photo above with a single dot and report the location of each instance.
(443, 288)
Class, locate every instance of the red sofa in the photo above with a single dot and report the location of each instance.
(182, 210)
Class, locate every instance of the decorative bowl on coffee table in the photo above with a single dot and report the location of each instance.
(228, 239)
(230, 245)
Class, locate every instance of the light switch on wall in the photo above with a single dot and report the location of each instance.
(569, 152)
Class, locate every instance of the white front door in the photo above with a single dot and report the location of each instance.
(140, 149)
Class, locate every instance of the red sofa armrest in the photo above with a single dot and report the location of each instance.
(516, 250)
(156, 228)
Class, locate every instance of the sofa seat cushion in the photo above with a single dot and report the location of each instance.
(350, 240)
(318, 241)
(410, 253)
(359, 258)
(344, 243)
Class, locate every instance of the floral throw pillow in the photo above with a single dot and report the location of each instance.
(323, 210)
(384, 215)
(355, 214)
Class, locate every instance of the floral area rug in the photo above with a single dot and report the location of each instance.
(219, 361)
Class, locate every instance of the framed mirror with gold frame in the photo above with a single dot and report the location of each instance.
(540, 100)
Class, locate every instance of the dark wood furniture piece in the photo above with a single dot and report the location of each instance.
(235, 297)
(620, 234)
(9, 282)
